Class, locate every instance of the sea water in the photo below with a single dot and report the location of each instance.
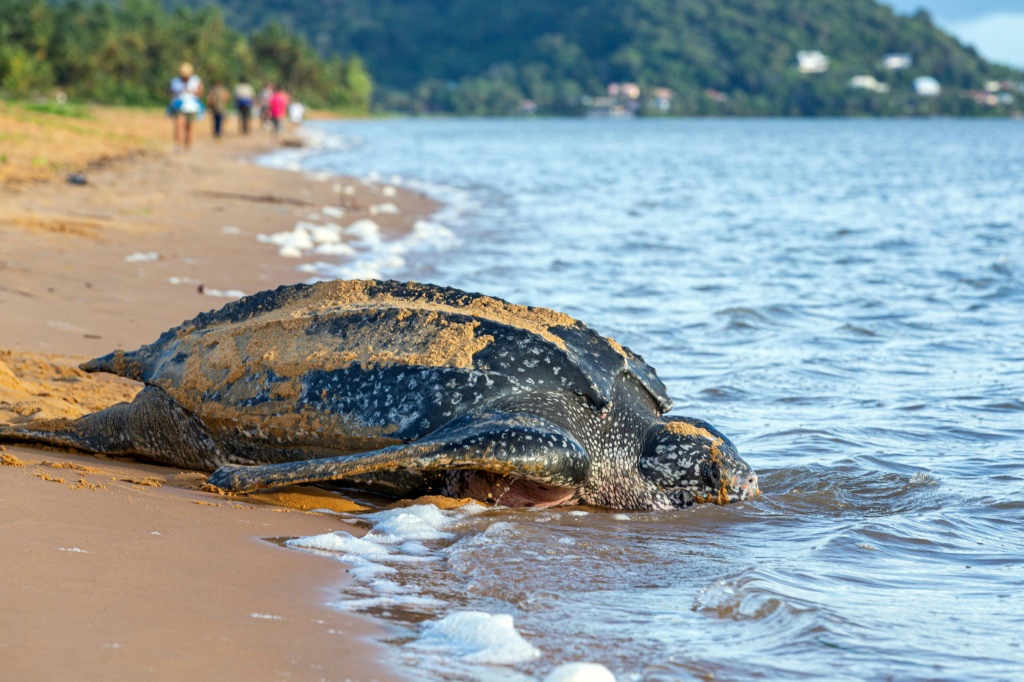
(843, 298)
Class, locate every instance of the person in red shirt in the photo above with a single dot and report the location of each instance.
(278, 109)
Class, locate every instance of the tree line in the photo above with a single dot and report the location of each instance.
(486, 57)
(126, 53)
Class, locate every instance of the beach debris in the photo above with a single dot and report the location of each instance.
(182, 280)
(74, 550)
(229, 229)
(77, 179)
(333, 211)
(388, 191)
(139, 257)
(266, 616)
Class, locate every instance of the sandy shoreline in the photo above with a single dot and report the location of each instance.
(170, 582)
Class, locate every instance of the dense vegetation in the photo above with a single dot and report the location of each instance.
(486, 56)
(126, 53)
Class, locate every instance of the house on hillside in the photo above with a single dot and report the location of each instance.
(867, 82)
(605, 107)
(926, 86)
(661, 99)
(811, 61)
(624, 91)
(897, 61)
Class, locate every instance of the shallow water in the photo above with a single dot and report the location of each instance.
(844, 299)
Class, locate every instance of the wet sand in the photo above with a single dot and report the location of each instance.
(121, 570)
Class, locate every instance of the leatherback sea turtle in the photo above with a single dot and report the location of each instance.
(407, 389)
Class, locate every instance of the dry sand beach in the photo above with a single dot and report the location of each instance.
(115, 569)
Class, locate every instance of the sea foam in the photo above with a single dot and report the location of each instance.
(477, 637)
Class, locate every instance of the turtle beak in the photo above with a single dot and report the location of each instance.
(746, 484)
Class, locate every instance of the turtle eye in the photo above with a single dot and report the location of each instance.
(712, 475)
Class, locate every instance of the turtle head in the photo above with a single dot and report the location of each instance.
(690, 461)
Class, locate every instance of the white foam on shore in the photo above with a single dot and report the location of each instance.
(227, 293)
(367, 254)
(477, 637)
(397, 536)
(403, 536)
(580, 672)
(385, 209)
(395, 566)
(361, 251)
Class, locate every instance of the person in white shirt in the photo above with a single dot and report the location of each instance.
(186, 105)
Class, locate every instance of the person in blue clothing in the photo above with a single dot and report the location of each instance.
(186, 105)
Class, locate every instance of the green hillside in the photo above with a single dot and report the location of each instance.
(126, 53)
(716, 56)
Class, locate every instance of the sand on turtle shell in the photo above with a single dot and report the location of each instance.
(354, 294)
(681, 428)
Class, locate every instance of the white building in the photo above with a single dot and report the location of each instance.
(867, 82)
(926, 86)
(896, 61)
(811, 61)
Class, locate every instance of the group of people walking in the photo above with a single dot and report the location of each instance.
(270, 105)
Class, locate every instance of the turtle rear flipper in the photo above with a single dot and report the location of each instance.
(498, 444)
(153, 426)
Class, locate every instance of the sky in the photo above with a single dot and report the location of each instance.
(993, 27)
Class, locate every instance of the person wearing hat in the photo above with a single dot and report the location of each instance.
(185, 106)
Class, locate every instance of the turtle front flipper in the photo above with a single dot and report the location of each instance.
(494, 449)
(153, 426)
